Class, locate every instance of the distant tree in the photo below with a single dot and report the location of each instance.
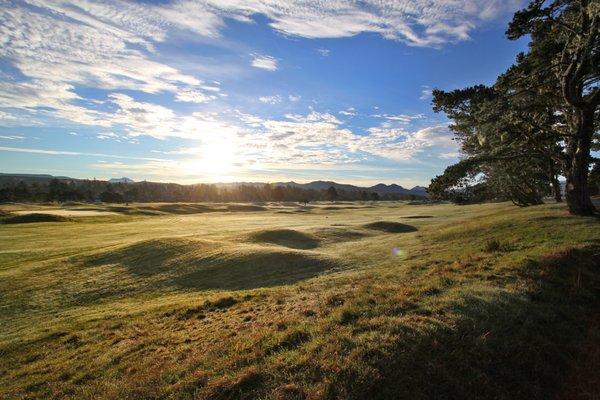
(278, 193)
(331, 194)
(21, 192)
(375, 196)
(111, 196)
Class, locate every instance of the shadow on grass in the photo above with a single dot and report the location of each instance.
(509, 346)
(286, 237)
(202, 265)
(256, 270)
(390, 227)
(33, 218)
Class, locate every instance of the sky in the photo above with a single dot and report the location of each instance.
(196, 91)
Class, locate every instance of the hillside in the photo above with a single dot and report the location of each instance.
(328, 301)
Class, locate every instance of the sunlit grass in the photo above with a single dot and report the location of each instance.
(360, 301)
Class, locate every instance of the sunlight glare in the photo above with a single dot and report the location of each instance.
(216, 158)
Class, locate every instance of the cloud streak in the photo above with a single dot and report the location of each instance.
(74, 153)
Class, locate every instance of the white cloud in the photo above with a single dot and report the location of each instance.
(402, 118)
(324, 52)
(106, 45)
(401, 145)
(264, 62)
(12, 137)
(350, 111)
(74, 153)
(270, 99)
(108, 135)
(426, 93)
(294, 98)
(193, 96)
(320, 138)
(415, 22)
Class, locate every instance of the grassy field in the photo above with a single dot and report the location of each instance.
(279, 301)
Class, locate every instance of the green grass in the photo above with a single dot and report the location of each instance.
(278, 301)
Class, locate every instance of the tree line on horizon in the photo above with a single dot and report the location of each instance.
(539, 121)
(59, 190)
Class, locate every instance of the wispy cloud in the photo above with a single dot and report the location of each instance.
(264, 62)
(270, 99)
(74, 153)
(324, 52)
(12, 137)
(350, 111)
(402, 118)
(426, 93)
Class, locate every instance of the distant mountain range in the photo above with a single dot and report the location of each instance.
(381, 189)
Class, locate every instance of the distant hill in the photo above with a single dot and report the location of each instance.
(30, 178)
(381, 188)
(121, 180)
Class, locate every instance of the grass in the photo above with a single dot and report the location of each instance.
(33, 218)
(205, 301)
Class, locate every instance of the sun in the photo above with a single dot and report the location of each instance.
(215, 159)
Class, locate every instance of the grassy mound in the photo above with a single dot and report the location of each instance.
(33, 218)
(336, 235)
(286, 237)
(150, 257)
(245, 207)
(390, 227)
(179, 208)
(201, 265)
(254, 268)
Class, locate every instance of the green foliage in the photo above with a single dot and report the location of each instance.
(540, 118)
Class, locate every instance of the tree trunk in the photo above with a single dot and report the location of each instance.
(578, 151)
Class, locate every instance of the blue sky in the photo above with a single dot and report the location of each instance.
(241, 90)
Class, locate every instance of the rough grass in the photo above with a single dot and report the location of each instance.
(192, 306)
